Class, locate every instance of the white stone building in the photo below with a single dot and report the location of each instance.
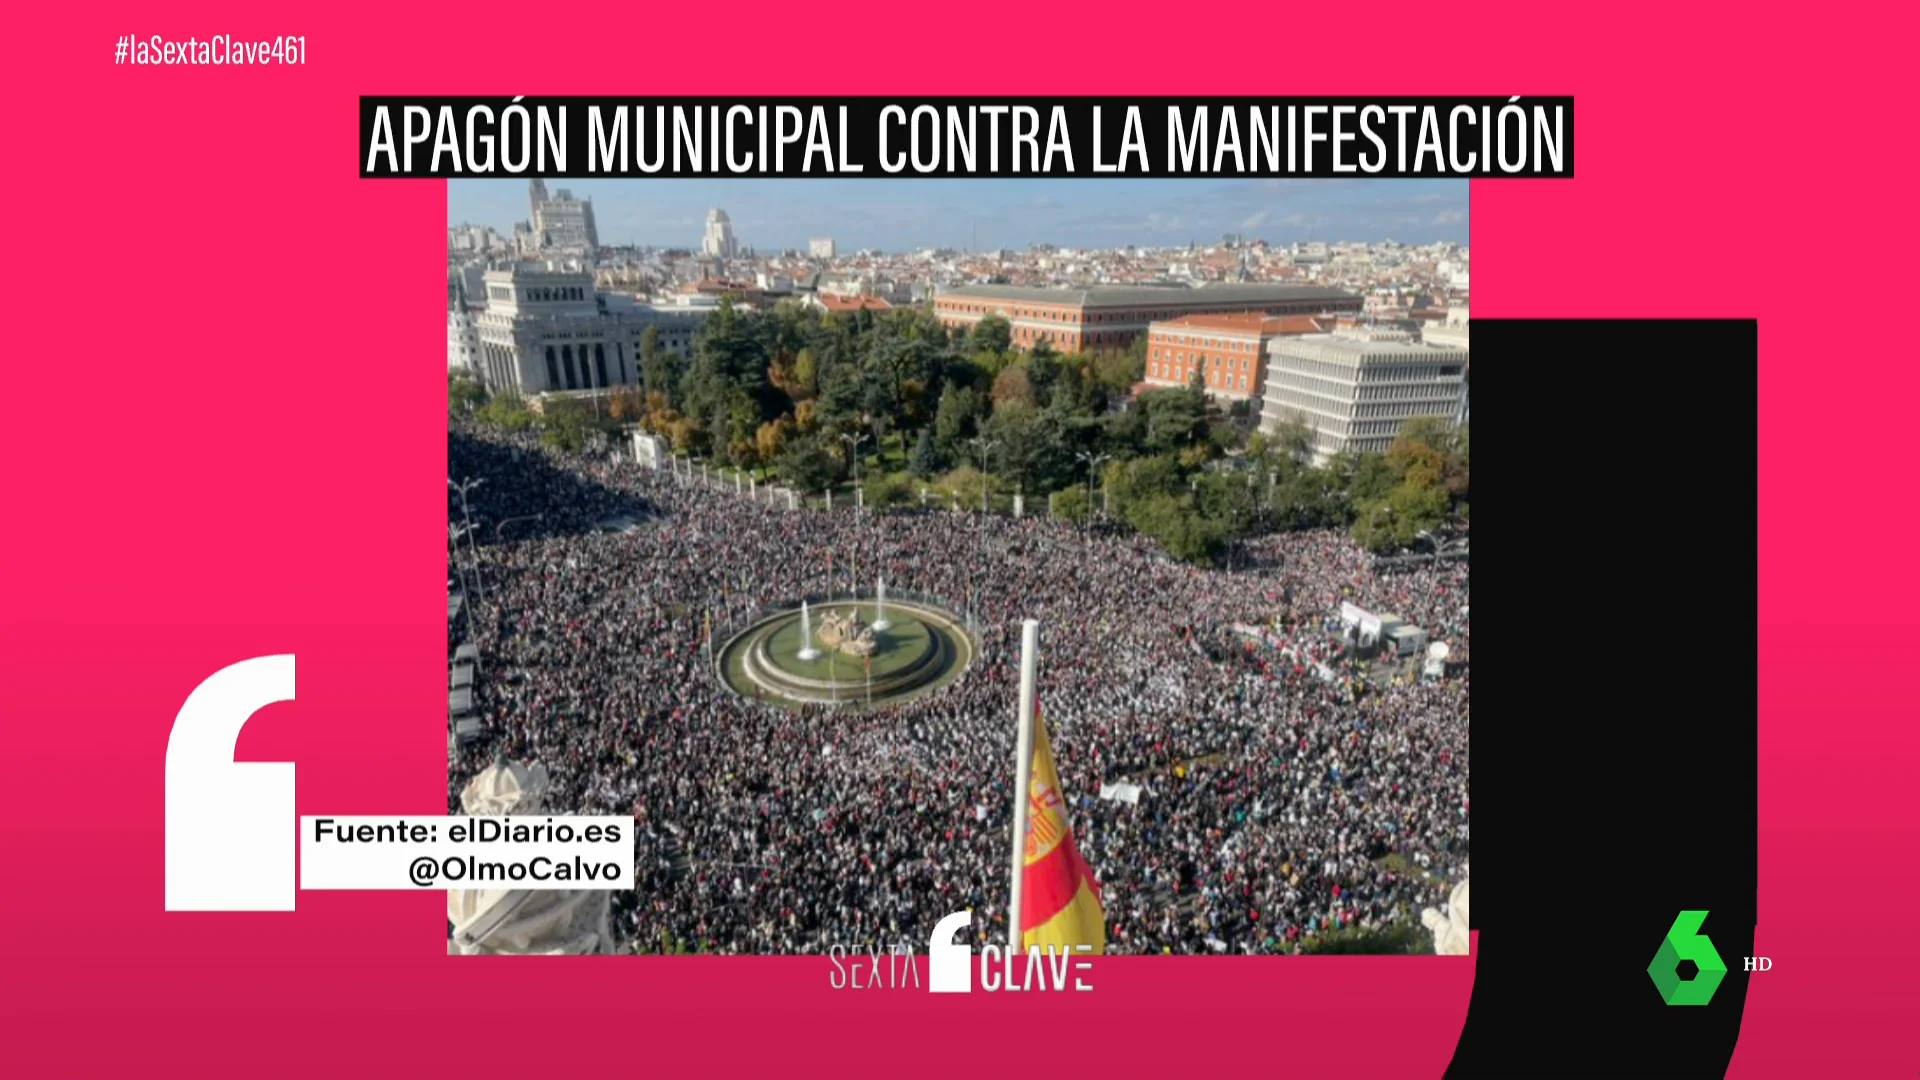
(719, 241)
(548, 330)
(463, 334)
(562, 223)
(820, 247)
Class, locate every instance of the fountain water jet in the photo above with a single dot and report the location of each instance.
(880, 622)
(807, 651)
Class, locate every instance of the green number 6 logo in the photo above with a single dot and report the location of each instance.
(1686, 942)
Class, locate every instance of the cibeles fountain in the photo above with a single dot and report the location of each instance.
(830, 654)
(844, 631)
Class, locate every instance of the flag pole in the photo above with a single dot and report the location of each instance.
(1022, 772)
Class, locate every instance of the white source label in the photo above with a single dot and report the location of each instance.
(547, 852)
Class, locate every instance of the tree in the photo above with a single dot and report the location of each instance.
(720, 433)
(1396, 520)
(1186, 535)
(883, 491)
(1310, 498)
(1373, 477)
(505, 412)
(1127, 430)
(1428, 451)
(744, 453)
(730, 352)
(991, 334)
(1175, 418)
(1257, 449)
(656, 369)
(464, 393)
(1070, 503)
(1031, 451)
(806, 417)
(923, 462)
(843, 396)
(564, 425)
(806, 371)
(1045, 372)
(1136, 480)
(806, 465)
(1226, 435)
(1118, 370)
(770, 440)
(688, 435)
(957, 419)
(1433, 432)
(1417, 508)
(1013, 385)
(962, 485)
(1457, 470)
(1292, 438)
(625, 404)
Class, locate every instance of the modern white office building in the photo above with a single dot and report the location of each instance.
(1356, 388)
(821, 247)
(1453, 334)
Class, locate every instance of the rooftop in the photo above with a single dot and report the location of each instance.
(1247, 322)
(837, 302)
(1328, 346)
(1115, 296)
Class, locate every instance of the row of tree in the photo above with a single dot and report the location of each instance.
(815, 398)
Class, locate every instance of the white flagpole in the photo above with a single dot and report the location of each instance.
(1022, 773)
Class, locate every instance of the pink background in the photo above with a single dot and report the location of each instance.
(226, 440)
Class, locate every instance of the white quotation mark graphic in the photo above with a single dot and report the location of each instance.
(228, 848)
(952, 965)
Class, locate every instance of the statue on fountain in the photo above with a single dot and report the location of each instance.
(845, 632)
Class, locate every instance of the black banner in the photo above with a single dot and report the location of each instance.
(1616, 767)
(714, 137)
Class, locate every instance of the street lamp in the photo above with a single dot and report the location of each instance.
(454, 532)
(1440, 546)
(511, 520)
(463, 487)
(1093, 462)
(982, 445)
(853, 452)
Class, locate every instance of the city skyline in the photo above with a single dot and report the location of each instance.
(905, 215)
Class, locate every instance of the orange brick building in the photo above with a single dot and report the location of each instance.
(1102, 317)
(1230, 350)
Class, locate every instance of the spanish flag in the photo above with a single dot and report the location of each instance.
(1059, 901)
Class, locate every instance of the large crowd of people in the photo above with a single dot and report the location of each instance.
(1286, 793)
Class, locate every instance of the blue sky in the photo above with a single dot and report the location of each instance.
(900, 215)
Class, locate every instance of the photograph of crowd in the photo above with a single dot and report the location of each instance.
(1251, 763)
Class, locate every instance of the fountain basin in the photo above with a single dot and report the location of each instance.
(922, 649)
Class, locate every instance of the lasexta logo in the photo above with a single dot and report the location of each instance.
(228, 847)
(1686, 942)
(952, 965)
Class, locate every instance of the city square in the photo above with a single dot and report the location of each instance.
(746, 558)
